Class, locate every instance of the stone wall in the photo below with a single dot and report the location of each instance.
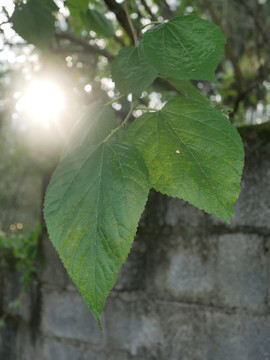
(193, 287)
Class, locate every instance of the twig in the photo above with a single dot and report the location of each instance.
(114, 100)
(123, 124)
(165, 9)
(152, 23)
(85, 44)
(120, 15)
(132, 28)
(145, 108)
(147, 8)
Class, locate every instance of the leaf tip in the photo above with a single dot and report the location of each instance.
(98, 318)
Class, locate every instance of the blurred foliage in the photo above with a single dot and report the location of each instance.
(22, 252)
(83, 45)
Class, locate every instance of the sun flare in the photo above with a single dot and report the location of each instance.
(42, 101)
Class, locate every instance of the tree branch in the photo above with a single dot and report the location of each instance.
(120, 15)
(92, 49)
(132, 28)
(147, 8)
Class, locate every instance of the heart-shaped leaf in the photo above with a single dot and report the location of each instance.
(192, 152)
(186, 47)
(131, 71)
(92, 207)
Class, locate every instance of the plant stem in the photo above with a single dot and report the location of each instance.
(153, 23)
(146, 109)
(124, 123)
(114, 100)
(132, 28)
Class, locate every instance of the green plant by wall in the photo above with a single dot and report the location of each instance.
(188, 149)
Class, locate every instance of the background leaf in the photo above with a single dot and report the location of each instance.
(131, 71)
(52, 5)
(96, 21)
(92, 208)
(92, 127)
(77, 4)
(187, 90)
(34, 22)
(186, 47)
(192, 152)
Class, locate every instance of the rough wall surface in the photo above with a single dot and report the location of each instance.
(193, 287)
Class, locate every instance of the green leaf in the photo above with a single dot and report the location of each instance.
(187, 90)
(192, 152)
(186, 47)
(92, 207)
(34, 22)
(131, 71)
(91, 128)
(52, 5)
(77, 4)
(76, 20)
(77, 10)
(97, 22)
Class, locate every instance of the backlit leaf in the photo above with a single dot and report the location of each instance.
(192, 152)
(131, 71)
(186, 47)
(97, 122)
(187, 90)
(92, 207)
(77, 4)
(34, 22)
(96, 21)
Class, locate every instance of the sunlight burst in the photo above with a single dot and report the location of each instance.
(43, 101)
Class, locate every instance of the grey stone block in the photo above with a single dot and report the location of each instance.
(183, 270)
(253, 205)
(8, 341)
(158, 330)
(238, 336)
(242, 271)
(66, 315)
(132, 272)
(132, 327)
(230, 270)
(27, 346)
(179, 213)
(63, 350)
(187, 333)
(52, 270)
(116, 355)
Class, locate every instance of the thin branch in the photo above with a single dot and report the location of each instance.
(152, 23)
(6, 13)
(114, 100)
(123, 124)
(149, 11)
(120, 15)
(165, 9)
(95, 50)
(144, 108)
(132, 28)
